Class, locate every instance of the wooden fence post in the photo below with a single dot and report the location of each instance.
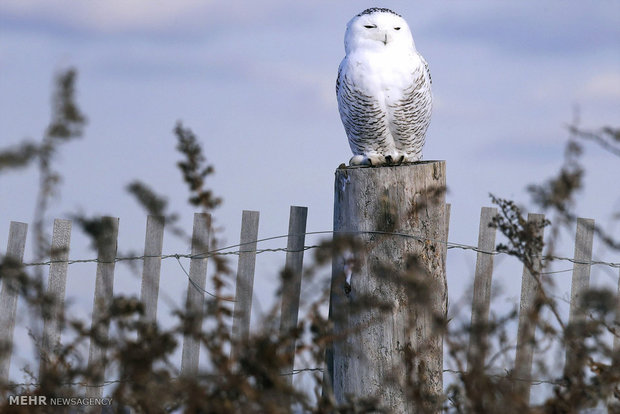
(526, 333)
(291, 283)
(104, 293)
(195, 292)
(387, 343)
(584, 237)
(56, 286)
(151, 269)
(613, 401)
(8, 295)
(245, 279)
(482, 289)
(447, 218)
(617, 326)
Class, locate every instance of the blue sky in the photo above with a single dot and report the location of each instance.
(255, 81)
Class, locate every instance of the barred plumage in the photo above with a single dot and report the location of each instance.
(383, 89)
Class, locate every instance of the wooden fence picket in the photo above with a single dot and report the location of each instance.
(617, 326)
(580, 283)
(526, 333)
(194, 307)
(290, 293)
(56, 288)
(104, 292)
(291, 285)
(8, 296)
(151, 270)
(482, 288)
(245, 278)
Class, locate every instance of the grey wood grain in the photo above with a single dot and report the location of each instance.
(151, 270)
(195, 292)
(8, 295)
(482, 289)
(291, 283)
(245, 278)
(381, 313)
(104, 293)
(526, 334)
(580, 283)
(56, 288)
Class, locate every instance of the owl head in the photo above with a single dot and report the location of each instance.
(377, 29)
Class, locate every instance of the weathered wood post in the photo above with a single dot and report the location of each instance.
(104, 293)
(482, 291)
(526, 333)
(194, 304)
(613, 401)
(9, 293)
(245, 280)
(388, 300)
(576, 354)
(291, 281)
(151, 269)
(56, 287)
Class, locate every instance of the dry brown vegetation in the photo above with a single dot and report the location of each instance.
(255, 380)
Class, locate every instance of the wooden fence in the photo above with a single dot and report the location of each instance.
(104, 287)
(104, 284)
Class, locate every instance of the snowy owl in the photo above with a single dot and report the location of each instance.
(383, 89)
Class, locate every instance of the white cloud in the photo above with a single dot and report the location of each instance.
(602, 86)
(317, 82)
(137, 15)
(106, 15)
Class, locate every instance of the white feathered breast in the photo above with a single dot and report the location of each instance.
(383, 89)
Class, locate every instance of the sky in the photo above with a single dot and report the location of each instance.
(256, 82)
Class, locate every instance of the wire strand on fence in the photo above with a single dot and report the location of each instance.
(227, 251)
(223, 250)
(198, 288)
(532, 381)
(121, 380)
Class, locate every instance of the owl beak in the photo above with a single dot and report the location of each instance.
(385, 39)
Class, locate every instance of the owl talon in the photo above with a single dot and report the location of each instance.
(409, 158)
(372, 160)
(359, 160)
(394, 159)
(376, 159)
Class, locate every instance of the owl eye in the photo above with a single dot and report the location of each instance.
(370, 26)
(397, 28)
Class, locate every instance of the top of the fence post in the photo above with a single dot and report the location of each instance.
(404, 165)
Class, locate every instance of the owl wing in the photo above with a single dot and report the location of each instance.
(338, 80)
(363, 118)
(412, 113)
(428, 71)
